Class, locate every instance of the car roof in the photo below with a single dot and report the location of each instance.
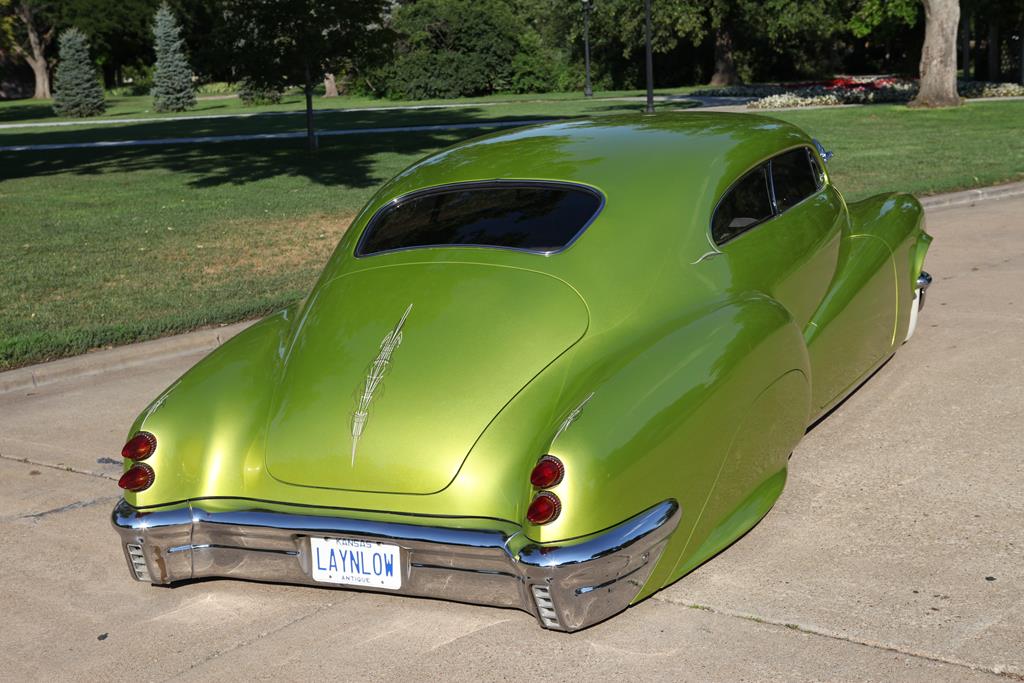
(675, 152)
(661, 177)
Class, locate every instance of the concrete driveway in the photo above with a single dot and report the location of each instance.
(896, 551)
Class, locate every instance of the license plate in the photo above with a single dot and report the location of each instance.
(356, 563)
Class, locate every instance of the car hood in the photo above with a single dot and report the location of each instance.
(393, 373)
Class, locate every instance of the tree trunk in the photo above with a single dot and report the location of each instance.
(993, 50)
(36, 54)
(1021, 41)
(938, 55)
(42, 78)
(311, 141)
(330, 86)
(725, 67)
(965, 44)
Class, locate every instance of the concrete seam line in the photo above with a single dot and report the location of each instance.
(842, 638)
(246, 643)
(140, 353)
(77, 505)
(59, 468)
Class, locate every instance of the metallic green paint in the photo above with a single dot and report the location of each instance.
(652, 368)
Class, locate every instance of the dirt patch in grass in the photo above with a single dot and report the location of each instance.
(262, 248)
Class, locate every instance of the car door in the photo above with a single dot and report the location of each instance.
(780, 226)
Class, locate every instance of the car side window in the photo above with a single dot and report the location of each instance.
(794, 178)
(744, 206)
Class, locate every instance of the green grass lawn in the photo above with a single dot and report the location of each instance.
(110, 246)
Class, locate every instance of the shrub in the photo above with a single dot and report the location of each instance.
(172, 77)
(252, 96)
(741, 91)
(986, 89)
(876, 91)
(216, 88)
(452, 48)
(536, 68)
(76, 88)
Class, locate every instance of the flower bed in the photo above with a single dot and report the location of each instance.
(850, 90)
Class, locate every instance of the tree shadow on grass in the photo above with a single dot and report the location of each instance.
(347, 160)
(340, 162)
(26, 112)
(294, 122)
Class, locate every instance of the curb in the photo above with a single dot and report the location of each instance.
(967, 197)
(134, 355)
(118, 358)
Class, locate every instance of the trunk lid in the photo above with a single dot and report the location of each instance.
(393, 373)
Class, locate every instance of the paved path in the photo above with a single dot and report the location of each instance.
(703, 101)
(242, 115)
(292, 135)
(706, 103)
(895, 553)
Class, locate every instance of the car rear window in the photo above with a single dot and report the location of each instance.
(540, 217)
(744, 206)
(794, 176)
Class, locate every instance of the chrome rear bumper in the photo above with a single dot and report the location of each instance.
(567, 586)
(924, 281)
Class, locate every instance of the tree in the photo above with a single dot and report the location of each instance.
(617, 35)
(29, 32)
(937, 68)
(77, 90)
(282, 42)
(453, 48)
(772, 38)
(938, 56)
(120, 32)
(172, 79)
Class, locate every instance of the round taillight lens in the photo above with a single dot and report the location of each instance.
(548, 472)
(138, 478)
(139, 447)
(544, 508)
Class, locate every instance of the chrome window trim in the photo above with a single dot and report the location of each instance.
(766, 162)
(480, 184)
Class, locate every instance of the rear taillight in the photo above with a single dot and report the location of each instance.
(544, 508)
(548, 472)
(139, 478)
(139, 447)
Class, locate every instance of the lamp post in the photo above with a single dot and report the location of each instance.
(587, 6)
(650, 62)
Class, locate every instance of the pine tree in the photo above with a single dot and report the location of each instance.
(76, 87)
(172, 79)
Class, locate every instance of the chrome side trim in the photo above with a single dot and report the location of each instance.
(826, 155)
(567, 586)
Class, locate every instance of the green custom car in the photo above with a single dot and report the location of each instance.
(553, 369)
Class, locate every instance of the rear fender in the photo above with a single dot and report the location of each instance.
(209, 423)
(658, 421)
(898, 220)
